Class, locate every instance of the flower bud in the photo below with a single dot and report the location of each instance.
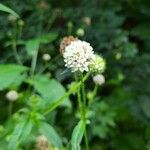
(49, 74)
(118, 56)
(21, 23)
(98, 64)
(43, 5)
(80, 32)
(99, 79)
(9, 34)
(90, 95)
(12, 95)
(87, 21)
(46, 57)
(69, 24)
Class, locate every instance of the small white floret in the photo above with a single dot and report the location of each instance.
(46, 57)
(99, 79)
(12, 95)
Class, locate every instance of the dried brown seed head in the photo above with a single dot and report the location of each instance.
(65, 42)
(42, 143)
(43, 5)
(12, 18)
(57, 11)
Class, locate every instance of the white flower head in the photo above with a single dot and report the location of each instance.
(78, 56)
(12, 95)
(99, 79)
(46, 57)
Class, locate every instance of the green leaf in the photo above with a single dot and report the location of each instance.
(62, 98)
(142, 31)
(10, 74)
(32, 46)
(14, 141)
(77, 135)
(130, 50)
(48, 38)
(130, 141)
(8, 10)
(100, 130)
(50, 90)
(51, 134)
(145, 104)
(26, 131)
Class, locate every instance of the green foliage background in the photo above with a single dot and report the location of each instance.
(119, 30)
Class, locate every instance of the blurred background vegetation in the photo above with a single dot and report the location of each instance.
(119, 30)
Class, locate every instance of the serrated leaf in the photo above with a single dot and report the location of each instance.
(14, 141)
(10, 74)
(51, 134)
(26, 131)
(8, 10)
(77, 135)
(50, 90)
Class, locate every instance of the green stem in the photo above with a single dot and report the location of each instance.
(93, 95)
(10, 108)
(20, 32)
(79, 101)
(33, 63)
(83, 91)
(84, 112)
(51, 21)
(34, 58)
(61, 99)
(14, 47)
(70, 28)
(78, 96)
(95, 90)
